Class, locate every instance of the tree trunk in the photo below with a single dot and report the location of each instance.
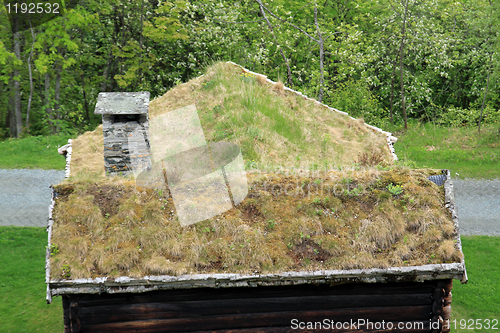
(392, 89)
(48, 109)
(18, 120)
(401, 54)
(31, 84)
(485, 94)
(57, 106)
(289, 72)
(321, 55)
(320, 39)
(139, 72)
(86, 105)
(11, 118)
(104, 83)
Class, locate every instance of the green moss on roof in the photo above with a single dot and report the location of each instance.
(288, 222)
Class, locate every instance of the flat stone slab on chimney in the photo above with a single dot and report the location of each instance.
(122, 103)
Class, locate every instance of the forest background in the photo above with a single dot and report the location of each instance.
(386, 61)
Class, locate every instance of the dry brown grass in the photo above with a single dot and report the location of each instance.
(279, 87)
(261, 79)
(87, 160)
(327, 220)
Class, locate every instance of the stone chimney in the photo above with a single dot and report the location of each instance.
(125, 129)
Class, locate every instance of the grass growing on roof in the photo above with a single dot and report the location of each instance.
(328, 220)
(272, 126)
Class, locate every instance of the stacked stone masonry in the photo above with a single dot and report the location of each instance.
(126, 131)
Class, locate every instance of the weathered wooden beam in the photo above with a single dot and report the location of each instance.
(74, 318)
(288, 329)
(258, 292)
(403, 313)
(441, 306)
(165, 310)
(331, 277)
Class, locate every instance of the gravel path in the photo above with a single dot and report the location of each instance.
(478, 204)
(25, 198)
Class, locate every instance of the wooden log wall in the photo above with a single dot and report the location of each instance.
(262, 309)
(441, 308)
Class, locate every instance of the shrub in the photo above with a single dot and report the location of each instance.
(457, 117)
(355, 98)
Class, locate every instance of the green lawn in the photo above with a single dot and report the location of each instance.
(480, 297)
(22, 287)
(22, 283)
(34, 152)
(462, 150)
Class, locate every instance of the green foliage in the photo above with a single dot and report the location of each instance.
(455, 116)
(53, 249)
(22, 288)
(395, 189)
(167, 25)
(271, 224)
(450, 49)
(355, 98)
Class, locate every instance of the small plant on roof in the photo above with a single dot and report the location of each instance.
(371, 159)
(346, 180)
(354, 192)
(255, 133)
(217, 109)
(53, 249)
(271, 224)
(395, 189)
(66, 271)
(247, 77)
(208, 84)
(251, 164)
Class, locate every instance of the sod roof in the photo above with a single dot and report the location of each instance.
(273, 126)
(323, 196)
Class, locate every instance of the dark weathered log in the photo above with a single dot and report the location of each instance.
(448, 286)
(441, 309)
(447, 306)
(65, 304)
(288, 329)
(261, 319)
(258, 292)
(74, 317)
(165, 310)
(260, 309)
